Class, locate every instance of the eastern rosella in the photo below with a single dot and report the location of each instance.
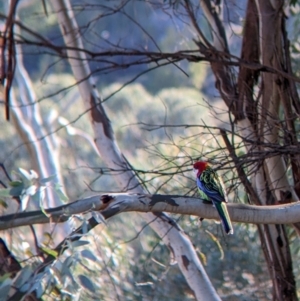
(211, 189)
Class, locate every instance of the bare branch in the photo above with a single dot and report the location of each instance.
(110, 205)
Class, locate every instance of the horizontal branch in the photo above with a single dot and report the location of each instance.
(112, 204)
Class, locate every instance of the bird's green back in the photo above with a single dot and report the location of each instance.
(212, 182)
(203, 195)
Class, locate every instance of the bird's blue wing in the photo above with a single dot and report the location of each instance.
(201, 192)
(211, 185)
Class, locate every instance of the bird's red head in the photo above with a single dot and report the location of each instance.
(199, 166)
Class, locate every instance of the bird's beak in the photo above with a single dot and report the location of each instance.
(195, 171)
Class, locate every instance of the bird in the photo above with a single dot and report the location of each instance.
(211, 189)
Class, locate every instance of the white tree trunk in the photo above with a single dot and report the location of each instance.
(43, 151)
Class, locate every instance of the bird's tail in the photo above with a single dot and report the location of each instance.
(225, 218)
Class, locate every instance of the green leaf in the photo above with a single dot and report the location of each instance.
(4, 288)
(89, 255)
(49, 251)
(25, 287)
(28, 175)
(86, 283)
(15, 183)
(66, 272)
(36, 284)
(31, 190)
(5, 279)
(79, 243)
(5, 192)
(3, 204)
(67, 264)
(39, 290)
(25, 173)
(60, 194)
(202, 257)
(16, 191)
(23, 276)
(48, 179)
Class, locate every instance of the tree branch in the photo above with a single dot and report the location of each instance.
(110, 205)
